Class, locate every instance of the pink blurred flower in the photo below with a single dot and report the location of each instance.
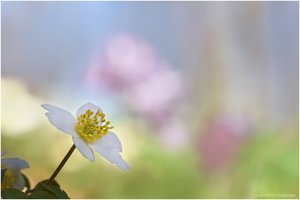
(130, 66)
(150, 87)
(126, 61)
(156, 94)
(221, 140)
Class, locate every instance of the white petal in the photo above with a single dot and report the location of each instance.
(87, 106)
(110, 141)
(20, 182)
(84, 149)
(61, 119)
(109, 146)
(14, 163)
(115, 158)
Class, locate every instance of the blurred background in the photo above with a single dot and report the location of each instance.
(203, 95)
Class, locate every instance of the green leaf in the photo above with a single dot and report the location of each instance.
(40, 194)
(27, 183)
(39, 185)
(60, 194)
(13, 193)
(53, 190)
(3, 174)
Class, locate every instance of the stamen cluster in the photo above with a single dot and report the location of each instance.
(92, 126)
(8, 180)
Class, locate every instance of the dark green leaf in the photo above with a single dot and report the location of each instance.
(60, 194)
(2, 174)
(40, 194)
(51, 189)
(39, 185)
(12, 193)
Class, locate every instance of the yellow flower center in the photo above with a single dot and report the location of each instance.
(92, 126)
(9, 180)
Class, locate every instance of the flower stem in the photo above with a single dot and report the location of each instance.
(62, 163)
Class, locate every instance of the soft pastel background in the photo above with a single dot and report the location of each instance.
(203, 95)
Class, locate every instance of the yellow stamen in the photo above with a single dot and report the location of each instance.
(9, 180)
(89, 126)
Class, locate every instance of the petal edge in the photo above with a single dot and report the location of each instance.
(61, 119)
(110, 148)
(82, 109)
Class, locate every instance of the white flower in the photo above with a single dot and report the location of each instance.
(13, 177)
(90, 131)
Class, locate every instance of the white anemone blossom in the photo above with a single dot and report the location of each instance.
(90, 131)
(13, 177)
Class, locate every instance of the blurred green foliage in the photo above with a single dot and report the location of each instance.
(266, 165)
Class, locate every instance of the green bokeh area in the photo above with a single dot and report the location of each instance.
(266, 167)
